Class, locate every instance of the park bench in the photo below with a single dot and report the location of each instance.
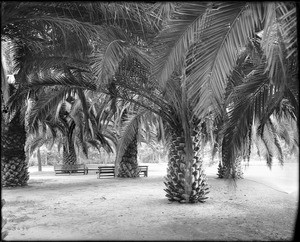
(144, 169)
(77, 168)
(92, 167)
(109, 171)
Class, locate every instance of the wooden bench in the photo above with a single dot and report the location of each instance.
(105, 171)
(144, 169)
(92, 167)
(78, 168)
(109, 171)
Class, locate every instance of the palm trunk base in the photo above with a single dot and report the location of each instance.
(185, 181)
(69, 157)
(14, 167)
(236, 173)
(128, 167)
(128, 170)
(14, 172)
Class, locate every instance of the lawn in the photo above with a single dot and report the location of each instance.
(263, 206)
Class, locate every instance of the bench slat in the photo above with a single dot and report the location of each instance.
(77, 168)
(106, 171)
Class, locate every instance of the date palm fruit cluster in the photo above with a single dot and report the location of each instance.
(14, 168)
(128, 165)
(185, 180)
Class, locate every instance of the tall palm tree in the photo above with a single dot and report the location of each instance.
(205, 39)
(132, 83)
(139, 125)
(34, 29)
(66, 26)
(260, 99)
(74, 129)
(126, 156)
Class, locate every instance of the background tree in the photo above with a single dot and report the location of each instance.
(34, 29)
(215, 45)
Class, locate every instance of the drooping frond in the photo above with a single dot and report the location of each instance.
(128, 133)
(106, 61)
(127, 15)
(46, 105)
(246, 102)
(177, 36)
(162, 11)
(110, 53)
(35, 17)
(288, 20)
(267, 142)
(219, 46)
(278, 40)
(59, 79)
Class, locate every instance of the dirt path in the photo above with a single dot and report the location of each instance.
(79, 207)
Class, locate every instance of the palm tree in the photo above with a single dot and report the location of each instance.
(205, 39)
(70, 121)
(35, 29)
(131, 83)
(259, 99)
(65, 26)
(138, 125)
(127, 148)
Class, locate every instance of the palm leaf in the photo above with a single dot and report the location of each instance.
(128, 133)
(59, 79)
(246, 102)
(46, 106)
(230, 27)
(105, 63)
(175, 39)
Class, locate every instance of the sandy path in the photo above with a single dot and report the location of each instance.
(79, 207)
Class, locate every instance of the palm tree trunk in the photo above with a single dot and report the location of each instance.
(69, 155)
(128, 166)
(13, 159)
(39, 158)
(69, 152)
(224, 170)
(185, 180)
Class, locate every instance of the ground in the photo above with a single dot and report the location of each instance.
(263, 206)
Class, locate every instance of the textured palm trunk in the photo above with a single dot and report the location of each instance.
(224, 171)
(39, 158)
(185, 180)
(128, 166)
(14, 166)
(69, 155)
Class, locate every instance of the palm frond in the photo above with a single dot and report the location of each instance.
(107, 58)
(219, 48)
(106, 63)
(128, 133)
(162, 11)
(45, 106)
(246, 102)
(103, 138)
(59, 79)
(173, 42)
(130, 15)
